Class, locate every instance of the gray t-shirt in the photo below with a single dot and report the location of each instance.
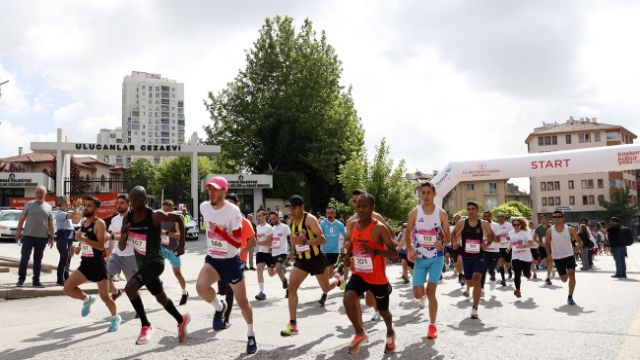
(37, 215)
(62, 223)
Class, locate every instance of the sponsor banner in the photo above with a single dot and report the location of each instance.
(108, 202)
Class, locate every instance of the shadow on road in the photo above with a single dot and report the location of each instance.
(285, 352)
(472, 327)
(528, 304)
(573, 310)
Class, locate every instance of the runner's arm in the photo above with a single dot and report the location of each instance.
(486, 228)
(456, 233)
(314, 225)
(124, 233)
(411, 225)
(382, 220)
(575, 237)
(160, 216)
(390, 251)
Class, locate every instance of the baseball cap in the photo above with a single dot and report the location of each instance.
(232, 196)
(218, 182)
(295, 201)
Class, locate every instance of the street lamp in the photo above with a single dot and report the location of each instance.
(2, 83)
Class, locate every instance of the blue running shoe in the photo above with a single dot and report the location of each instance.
(252, 347)
(86, 305)
(115, 323)
(570, 301)
(218, 322)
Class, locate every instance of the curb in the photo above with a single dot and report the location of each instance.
(25, 293)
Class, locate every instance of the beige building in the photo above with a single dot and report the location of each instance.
(489, 193)
(578, 195)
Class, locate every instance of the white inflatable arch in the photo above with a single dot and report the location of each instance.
(589, 160)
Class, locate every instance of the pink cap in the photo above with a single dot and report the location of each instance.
(218, 182)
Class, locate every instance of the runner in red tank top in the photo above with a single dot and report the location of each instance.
(368, 249)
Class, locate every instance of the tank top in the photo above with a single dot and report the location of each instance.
(561, 246)
(472, 239)
(369, 267)
(89, 235)
(428, 230)
(304, 251)
(145, 238)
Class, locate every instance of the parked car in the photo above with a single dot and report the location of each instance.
(9, 223)
(191, 228)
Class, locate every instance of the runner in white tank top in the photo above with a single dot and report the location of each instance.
(562, 251)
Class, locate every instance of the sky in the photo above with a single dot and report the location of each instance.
(441, 80)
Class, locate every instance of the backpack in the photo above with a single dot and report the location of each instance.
(626, 236)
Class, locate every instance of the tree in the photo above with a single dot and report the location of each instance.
(506, 209)
(78, 184)
(286, 110)
(522, 208)
(620, 206)
(140, 172)
(394, 195)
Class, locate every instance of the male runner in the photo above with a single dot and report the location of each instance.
(428, 229)
(264, 235)
(333, 230)
(492, 252)
(120, 260)
(540, 236)
(451, 255)
(504, 262)
(306, 238)
(92, 267)
(142, 227)
(279, 248)
(224, 238)
(562, 249)
(472, 231)
(170, 236)
(367, 250)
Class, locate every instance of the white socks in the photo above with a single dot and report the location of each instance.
(217, 304)
(261, 286)
(250, 331)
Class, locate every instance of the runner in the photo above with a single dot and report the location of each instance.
(224, 238)
(92, 267)
(540, 237)
(264, 235)
(492, 252)
(520, 245)
(429, 230)
(170, 237)
(452, 256)
(505, 257)
(333, 231)
(120, 261)
(561, 248)
(370, 245)
(306, 238)
(143, 225)
(534, 252)
(471, 231)
(279, 249)
(402, 253)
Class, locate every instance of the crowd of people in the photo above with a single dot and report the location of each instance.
(347, 255)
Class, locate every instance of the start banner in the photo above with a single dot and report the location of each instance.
(107, 208)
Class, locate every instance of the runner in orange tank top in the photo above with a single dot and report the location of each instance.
(368, 248)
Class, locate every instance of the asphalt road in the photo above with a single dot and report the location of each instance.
(604, 325)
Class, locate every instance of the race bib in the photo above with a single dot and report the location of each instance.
(139, 242)
(217, 246)
(519, 247)
(116, 235)
(300, 249)
(165, 239)
(275, 242)
(362, 263)
(426, 241)
(503, 239)
(472, 246)
(87, 251)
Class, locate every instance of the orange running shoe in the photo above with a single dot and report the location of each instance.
(432, 332)
(354, 347)
(390, 346)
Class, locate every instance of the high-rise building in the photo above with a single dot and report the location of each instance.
(578, 195)
(110, 136)
(152, 111)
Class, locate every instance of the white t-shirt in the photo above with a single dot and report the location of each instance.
(518, 241)
(115, 227)
(503, 231)
(279, 244)
(262, 232)
(494, 246)
(229, 218)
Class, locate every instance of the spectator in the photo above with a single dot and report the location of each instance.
(618, 249)
(587, 244)
(64, 238)
(38, 232)
(280, 214)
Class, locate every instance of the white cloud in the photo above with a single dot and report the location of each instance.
(13, 100)
(13, 136)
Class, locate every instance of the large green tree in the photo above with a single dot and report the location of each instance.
(395, 196)
(287, 111)
(140, 172)
(620, 206)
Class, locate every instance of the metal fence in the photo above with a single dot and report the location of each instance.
(84, 186)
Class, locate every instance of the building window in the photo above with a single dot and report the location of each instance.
(544, 201)
(572, 200)
(491, 188)
(600, 184)
(558, 201)
(490, 202)
(584, 138)
(543, 186)
(570, 184)
(585, 200)
(613, 135)
(567, 139)
(556, 185)
(591, 199)
(596, 136)
(550, 201)
(470, 187)
(600, 199)
(547, 140)
(587, 184)
(615, 183)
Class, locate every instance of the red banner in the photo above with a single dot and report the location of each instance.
(107, 208)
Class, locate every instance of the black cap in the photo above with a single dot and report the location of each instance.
(295, 201)
(233, 197)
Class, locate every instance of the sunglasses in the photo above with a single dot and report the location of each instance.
(557, 216)
(517, 224)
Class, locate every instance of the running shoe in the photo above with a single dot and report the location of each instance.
(548, 282)
(323, 299)
(405, 280)
(261, 296)
(432, 332)
(503, 283)
(218, 322)
(182, 327)
(343, 285)
(183, 299)
(358, 340)
(115, 323)
(390, 346)
(252, 347)
(570, 301)
(517, 293)
(376, 317)
(466, 293)
(86, 305)
(145, 335)
(535, 275)
(474, 313)
(289, 330)
(115, 296)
